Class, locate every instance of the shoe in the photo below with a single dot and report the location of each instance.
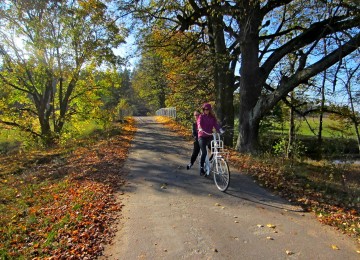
(188, 166)
(202, 171)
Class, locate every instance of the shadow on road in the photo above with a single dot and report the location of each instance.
(158, 158)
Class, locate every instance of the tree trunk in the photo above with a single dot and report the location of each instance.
(225, 107)
(291, 129)
(226, 116)
(223, 79)
(353, 114)
(322, 106)
(356, 126)
(248, 133)
(44, 107)
(250, 81)
(47, 136)
(64, 100)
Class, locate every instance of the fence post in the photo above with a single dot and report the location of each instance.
(167, 111)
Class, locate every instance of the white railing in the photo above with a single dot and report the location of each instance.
(167, 111)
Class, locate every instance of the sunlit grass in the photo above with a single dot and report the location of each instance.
(12, 139)
(331, 128)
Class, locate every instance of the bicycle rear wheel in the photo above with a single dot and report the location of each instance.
(221, 174)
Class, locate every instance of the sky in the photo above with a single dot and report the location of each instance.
(128, 51)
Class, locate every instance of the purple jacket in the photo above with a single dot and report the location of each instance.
(207, 123)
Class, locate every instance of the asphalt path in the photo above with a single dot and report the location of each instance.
(173, 213)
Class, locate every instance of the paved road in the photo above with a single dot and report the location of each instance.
(172, 213)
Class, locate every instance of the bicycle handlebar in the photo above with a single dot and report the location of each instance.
(209, 134)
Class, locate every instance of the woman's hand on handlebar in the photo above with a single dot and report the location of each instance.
(200, 130)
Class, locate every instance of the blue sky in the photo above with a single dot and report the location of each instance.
(128, 51)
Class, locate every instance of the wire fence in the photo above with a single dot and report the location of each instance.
(168, 111)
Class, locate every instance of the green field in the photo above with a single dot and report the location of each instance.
(12, 139)
(331, 128)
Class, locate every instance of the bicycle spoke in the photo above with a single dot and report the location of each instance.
(221, 174)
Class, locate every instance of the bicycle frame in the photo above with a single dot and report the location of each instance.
(216, 150)
(218, 165)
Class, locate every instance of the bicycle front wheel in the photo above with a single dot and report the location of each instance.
(221, 174)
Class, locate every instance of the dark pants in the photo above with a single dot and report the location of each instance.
(204, 143)
(195, 152)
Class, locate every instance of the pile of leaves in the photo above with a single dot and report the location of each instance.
(314, 187)
(61, 203)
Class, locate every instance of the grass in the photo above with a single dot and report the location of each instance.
(331, 128)
(60, 201)
(11, 140)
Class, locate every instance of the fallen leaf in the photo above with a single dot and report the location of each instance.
(334, 247)
(259, 225)
(288, 252)
(271, 226)
(269, 238)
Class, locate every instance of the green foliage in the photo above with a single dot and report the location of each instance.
(297, 149)
(149, 81)
(51, 78)
(170, 76)
(332, 127)
(280, 147)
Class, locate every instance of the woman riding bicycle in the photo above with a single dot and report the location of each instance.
(206, 123)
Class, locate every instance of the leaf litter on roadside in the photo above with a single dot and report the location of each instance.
(68, 206)
(330, 209)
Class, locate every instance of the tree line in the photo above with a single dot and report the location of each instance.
(246, 57)
(58, 67)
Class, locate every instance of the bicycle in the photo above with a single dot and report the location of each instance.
(218, 165)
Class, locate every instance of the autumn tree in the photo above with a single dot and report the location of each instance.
(220, 55)
(149, 80)
(258, 36)
(49, 53)
(188, 70)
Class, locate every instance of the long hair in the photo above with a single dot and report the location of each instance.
(212, 113)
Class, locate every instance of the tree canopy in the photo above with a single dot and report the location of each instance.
(191, 52)
(252, 41)
(49, 54)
